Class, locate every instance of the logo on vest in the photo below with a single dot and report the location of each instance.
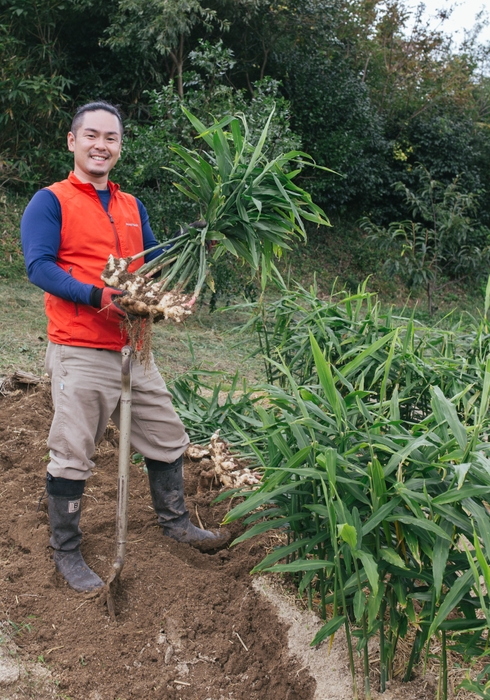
(73, 506)
(128, 224)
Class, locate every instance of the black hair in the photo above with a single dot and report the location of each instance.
(94, 107)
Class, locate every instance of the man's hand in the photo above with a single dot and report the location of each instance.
(106, 298)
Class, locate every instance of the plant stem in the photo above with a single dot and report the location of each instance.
(382, 657)
(321, 551)
(418, 644)
(173, 245)
(145, 252)
(347, 628)
(411, 660)
(367, 685)
(333, 536)
(444, 666)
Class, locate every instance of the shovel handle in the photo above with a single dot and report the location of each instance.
(124, 458)
(125, 362)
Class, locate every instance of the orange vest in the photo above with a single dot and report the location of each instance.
(88, 236)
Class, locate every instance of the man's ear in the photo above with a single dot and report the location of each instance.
(71, 141)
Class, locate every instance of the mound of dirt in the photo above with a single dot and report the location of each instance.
(189, 625)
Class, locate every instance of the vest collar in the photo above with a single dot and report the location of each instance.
(88, 187)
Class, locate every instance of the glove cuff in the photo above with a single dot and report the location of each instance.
(96, 297)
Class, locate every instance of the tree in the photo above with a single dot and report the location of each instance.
(33, 85)
(441, 235)
(339, 125)
(155, 29)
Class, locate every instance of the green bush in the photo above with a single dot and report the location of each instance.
(11, 257)
(340, 128)
(440, 237)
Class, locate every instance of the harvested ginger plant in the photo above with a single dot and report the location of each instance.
(220, 467)
(144, 298)
(145, 302)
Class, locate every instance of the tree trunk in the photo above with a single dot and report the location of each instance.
(429, 297)
(178, 65)
(180, 84)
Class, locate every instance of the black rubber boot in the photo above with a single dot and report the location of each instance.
(64, 508)
(167, 493)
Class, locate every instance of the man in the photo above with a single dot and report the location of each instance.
(68, 231)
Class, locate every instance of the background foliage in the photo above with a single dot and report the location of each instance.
(368, 89)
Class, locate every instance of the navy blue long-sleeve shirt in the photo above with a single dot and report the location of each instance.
(41, 236)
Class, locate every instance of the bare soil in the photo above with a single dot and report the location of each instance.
(184, 618)
(189, 625)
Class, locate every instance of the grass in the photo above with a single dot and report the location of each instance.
(22, 327)
(204, 341)
(11, 261)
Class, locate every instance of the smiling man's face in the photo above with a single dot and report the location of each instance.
(96, 147)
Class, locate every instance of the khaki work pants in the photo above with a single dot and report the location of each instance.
(86, 388)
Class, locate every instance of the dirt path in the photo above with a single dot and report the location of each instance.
(184, 618)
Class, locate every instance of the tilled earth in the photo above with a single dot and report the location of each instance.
(189, 625)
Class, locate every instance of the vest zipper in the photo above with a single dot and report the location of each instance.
(70, 272)
(114, 230)
(116, 239)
